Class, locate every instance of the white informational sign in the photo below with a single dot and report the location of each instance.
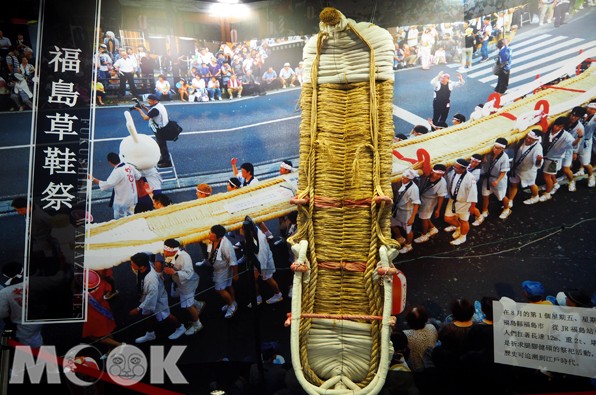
(554, 338)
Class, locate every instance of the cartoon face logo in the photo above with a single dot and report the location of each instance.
(73, 359)
(126, 365)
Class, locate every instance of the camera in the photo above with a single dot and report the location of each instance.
(137, 104)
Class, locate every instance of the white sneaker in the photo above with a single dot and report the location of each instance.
(194, 328)
(511, 204)
(450, 228)
(275, 298)
(478, 221)
(231, 310)
(200, 263)
(239, 95)
(572, 186)
(433, 232)
(422, 239)
(485, 214)
(532, 200)
(591, 182)
(149, 336)
(200, 305)
(407, 248)
(457, 233)
(219, 98)
(545, 197)
(178, 332)
(506, 213)
(458, 241)
(555, 188)
(259, 301)
(580, 172)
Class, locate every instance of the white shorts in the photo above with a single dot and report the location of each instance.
(186, 299)
(462, 210)
(585, 152)
(266, 274)
(551, 166)
(499, 191)
(567, 158)
(222, 279)
(400, 224)
(525, 178)
(162, 315)
(426, 210)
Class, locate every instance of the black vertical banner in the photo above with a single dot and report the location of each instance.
(59, 162)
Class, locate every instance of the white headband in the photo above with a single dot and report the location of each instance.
(204, 192)
(171, 249)
(284, 165)
(438, 171)
(475, 160)
(499, 145)
(409, 173)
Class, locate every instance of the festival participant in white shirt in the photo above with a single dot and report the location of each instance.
(526, 162)
(432, 193)
(178, 264)
(494, 181)
(405, 209)
(222, 257)
(555, 142)
(462, 190)
(153, 305)
(122, 181)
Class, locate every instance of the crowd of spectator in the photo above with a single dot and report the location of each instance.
(17, 73)
(233, 70)
(444, 43)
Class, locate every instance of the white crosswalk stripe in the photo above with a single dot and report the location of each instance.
(533, 56)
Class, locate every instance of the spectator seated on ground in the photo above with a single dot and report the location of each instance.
(100, 92)
(203, 71)
(226, 73)
(162, 88)
(399, 59)
(269, 79)
(237, 66)
(182, 87)
(287, 76)
(198, 90)
(250, 85)
(214, 89)
(234, 86)
(410, 55)
(21, 93)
